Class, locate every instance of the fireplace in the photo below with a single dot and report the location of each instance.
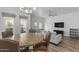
(59, 32)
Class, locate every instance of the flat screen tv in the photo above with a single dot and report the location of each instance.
(59, 24)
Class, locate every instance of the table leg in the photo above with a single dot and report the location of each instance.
(27, 49)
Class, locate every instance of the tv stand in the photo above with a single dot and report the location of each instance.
(59, 32)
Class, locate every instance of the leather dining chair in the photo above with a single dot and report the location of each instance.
(0, 35)
(6, 34)
(43, 46)
(9, 46)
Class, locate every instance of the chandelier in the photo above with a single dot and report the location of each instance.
(52, 13)
(28, 10)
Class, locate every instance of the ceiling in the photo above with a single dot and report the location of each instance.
(45, 11)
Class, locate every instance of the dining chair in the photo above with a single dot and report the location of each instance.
(0, 35)
(9, 46)
(32, 30)
(43, 46)
(6, 34)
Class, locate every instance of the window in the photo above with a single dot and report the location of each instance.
(9, 23)
(40, 25)
(35, 24)
(23, 25)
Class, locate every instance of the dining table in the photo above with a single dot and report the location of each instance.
(27, 39)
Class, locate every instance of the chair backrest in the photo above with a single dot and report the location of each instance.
(7, 34)
(9, 46)
(44, 34)
(0, 35)
(47, 37)
(32, 31)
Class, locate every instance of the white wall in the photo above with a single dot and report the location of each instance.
(15, 11)
(38, 19)
(70, 21)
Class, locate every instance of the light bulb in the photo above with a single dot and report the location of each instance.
(26, 11)
(21, 8)
(34, 8)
